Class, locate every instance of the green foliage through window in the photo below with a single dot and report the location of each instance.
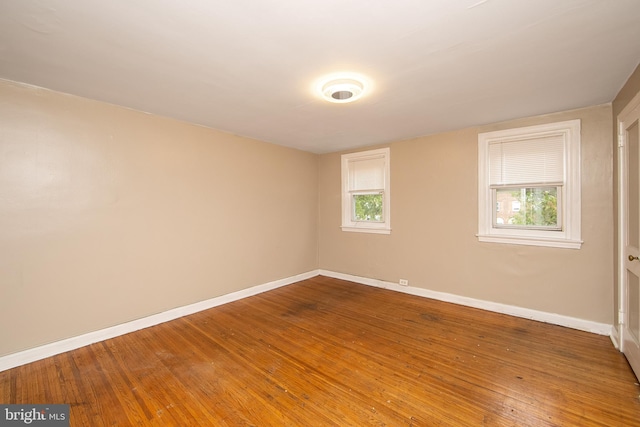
(367, 207)
(538, 206)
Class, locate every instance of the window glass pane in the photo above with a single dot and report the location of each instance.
(367, 207)
(528, 207)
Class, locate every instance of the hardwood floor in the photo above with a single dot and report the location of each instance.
(326, 352)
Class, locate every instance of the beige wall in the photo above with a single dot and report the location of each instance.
(109, 215)
(626, 94)
(434, 222)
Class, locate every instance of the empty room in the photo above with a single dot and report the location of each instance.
(336, 213)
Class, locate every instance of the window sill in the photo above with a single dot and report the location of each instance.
(367, 230)
(531, 241)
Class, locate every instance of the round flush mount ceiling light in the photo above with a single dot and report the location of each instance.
(342, 88)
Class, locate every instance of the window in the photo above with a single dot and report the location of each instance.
(534, 173)
(365, 191)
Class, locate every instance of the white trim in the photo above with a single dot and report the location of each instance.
(570, 235)
(48, 350)
(348, 224)
(629, 113)
(629, 110)
(367, 230)
(615, 337)
(518, 240)
(622, 218)
(540, 316)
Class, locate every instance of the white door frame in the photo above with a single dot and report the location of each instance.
(629, 112)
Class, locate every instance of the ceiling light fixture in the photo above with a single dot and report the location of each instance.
(342, 88)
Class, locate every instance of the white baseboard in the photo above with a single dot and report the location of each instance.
(541, 316)
(48, 350)
(615, 337)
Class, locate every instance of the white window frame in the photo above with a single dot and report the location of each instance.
(569, 198)
(348, 223)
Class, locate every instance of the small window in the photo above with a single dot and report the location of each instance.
(365, 191)
(534, 173)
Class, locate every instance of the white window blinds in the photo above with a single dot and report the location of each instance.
(538, 160)
(366, 174)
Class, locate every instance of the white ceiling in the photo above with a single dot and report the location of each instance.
(248, 66)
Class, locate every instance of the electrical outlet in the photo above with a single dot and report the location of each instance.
(403, 282)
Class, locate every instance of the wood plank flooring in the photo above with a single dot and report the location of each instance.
(325, 352)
